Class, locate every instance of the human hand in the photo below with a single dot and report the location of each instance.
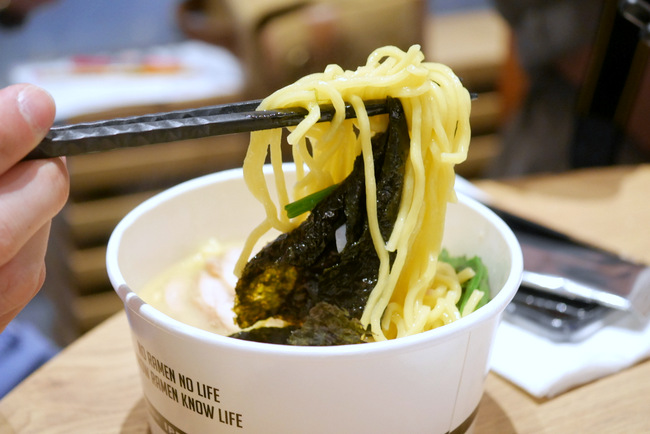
(31, 194)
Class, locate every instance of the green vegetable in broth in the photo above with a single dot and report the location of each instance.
(479, 281)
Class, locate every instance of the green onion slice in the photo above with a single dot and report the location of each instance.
(307, 203)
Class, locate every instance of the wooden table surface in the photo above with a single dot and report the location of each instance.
(93, 386)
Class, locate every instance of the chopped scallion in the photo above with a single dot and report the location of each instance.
(307, 203)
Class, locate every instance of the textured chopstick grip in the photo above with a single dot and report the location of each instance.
(224, 119)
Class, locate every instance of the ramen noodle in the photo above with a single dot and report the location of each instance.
(414, 291)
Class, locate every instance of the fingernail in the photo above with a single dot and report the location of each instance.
(35, 105)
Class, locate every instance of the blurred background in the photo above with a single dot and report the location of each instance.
(105, 59)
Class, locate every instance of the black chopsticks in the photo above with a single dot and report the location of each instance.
(217, 120)
(85, 138)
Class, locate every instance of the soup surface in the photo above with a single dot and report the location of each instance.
(200, 290)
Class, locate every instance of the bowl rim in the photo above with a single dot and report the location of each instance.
(132, 301)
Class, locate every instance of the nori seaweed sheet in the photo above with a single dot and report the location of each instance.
(302, 268)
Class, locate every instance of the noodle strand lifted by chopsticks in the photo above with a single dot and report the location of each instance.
(416, 292)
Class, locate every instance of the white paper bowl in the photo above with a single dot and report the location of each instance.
(195, 381)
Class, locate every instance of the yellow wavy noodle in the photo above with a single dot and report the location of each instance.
(417, 292)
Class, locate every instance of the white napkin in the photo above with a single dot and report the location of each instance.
(545, 368)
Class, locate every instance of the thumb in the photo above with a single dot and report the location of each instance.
(26, 114)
